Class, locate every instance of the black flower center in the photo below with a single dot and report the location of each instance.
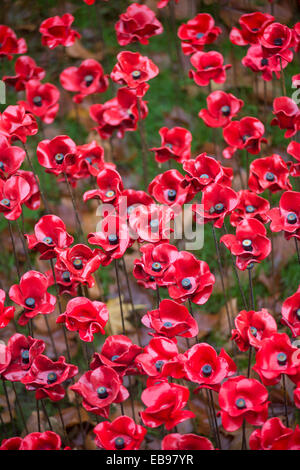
(278, 42)
(5, 202)
(168, 324)
(240, 403)
(255, 30)
(186, 283)
(113, 239)
(253, 331)
(119, 443)
(2, 166)
(156, 267)
(291, 218)
(264, 62)
(206, 370)
(219, 208)
(48, 240)
(225, 110)
(30, 302)
(298, 313)
(154, 225)
(282, 359)
(37, 100)
(245, 138)
(110, 193)
(25, 356)
(136, 74)
(169, 146)
(158, 365)
(204, 176)
(51, 378)
(269, 176)
(115, 357)
(172, 194)
(77, 263)
(199, 35)
(59, 158)
(247, 244)
(102, 392)
(66, 276)
(250, 209)
(88, 80)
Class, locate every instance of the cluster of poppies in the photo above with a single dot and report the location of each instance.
(170, 373)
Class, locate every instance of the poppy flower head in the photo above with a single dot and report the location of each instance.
(13, 193)
(151, 223)
(11, 158)
(81, 262)
(252, 28)
(244, 134)
(10, 44)
(32, 200)
(273, 435)
(252, 327)
(290, 312)
(57, 155)
(160, 359)
(175, 144)
(17, 124)
(250, 206)
(205, 170)
(110, 186)
(277, 39)
(221, 108)
(198, 32)
(121, 434)
(209, 66)
(175, 441)
(269, 173)
(47, 440)
(171, 188)
(286, 217)
(287, 115)
(41, 100)
(57, 31)
(26, 69)
(256, 61)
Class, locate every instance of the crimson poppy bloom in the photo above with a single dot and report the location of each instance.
(119, 353)
(160, 359)
(290, 312)
(134, 70)
(151, 223)
(41, 100)
(84, 316)
(13, 193)
(47, 440)
(13, 443)
(250, 206)
(85, 80)
(275, 357)
(10, 44)
(242, 399)
(269, 173)
(81, 262)
(171, 319)
(46, 377)
(277, 39)
(221, 108)
(249, 244)
(120, 434)
(171, 188)
(286, 217)
(57, 31)
(6, 313)
(32, 295)
(175, 441)
(32, 200)
(26, 69)
(205, 170)
(11, 158)
(119, 114)
(252, 327)
(56, 155)
(175, 143)
(202, 365)
(198, 32)
(130, 199)
(90, 160)
(137, 24)
(294, 150)
(23, 351)
(110, 186)
(165, 403)
(209, 66)
(287, 115)
(17, 124)
(256, 61)
(274, 436)
(244, 134)
(217, 202)
(252, 28)
(64, 280)
(191, 277)
(99, 388)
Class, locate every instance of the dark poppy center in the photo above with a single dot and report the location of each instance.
(250, 209)
(154, 225)
(172, 194)
(152, 278)
(240, 403)
(88, 80)
(88, 160)
(25, 356)
(51, 377)
(59, 158)
(269, 176)
(119, 443)
(219, 208)
(169, 146)
(158, 365)
(30, 302)
(278, 42)
(168, 324)
(245, 138)
(298, 313)
(199, 35)
(186, 283)
(247, 244)
(255, 30)
(115, 357)
(204, 176)
(136, 74)
(156, 267)
(2, 166)
(38, 101)
(264, 62)
(110, 193)
(5, 202)
(291, 218)
(102, 392)
(77, 263)
(48, 240)
(113, 239)
(1, 45)
(206, 370)
(66, 276)
(253, 331)
(225, 110)
(282, 359)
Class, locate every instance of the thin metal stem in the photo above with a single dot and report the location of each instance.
(285, 401)
(8, 405)
(297, 249)
(78, 221)
(212, 404)
(141, 130)
(120, 298)
(131, 301)
(20, 407)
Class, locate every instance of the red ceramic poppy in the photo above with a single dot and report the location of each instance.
(134, 70)
(175, 144)
(252, 28)
(25, 69)
(186, 442)
(275, 357)
(256, 61)
(81, 262)
(160, 359)
(171, 319)
(42, 100)
(151, 223)
(90, 160)
(110, 186)
(202, 365)
(198, 32)
(244, 134)
(192, 279)
(249, 244)
(269, 173)
(57, 31)
(130, 199)
(221, 108)
(171, 188)
(165, 403)
(32, 200)
(17, 124)
(85, 80)
(11, 158)
(99, 388)
(10, 44)
(250, 206)
(277, 39)
(13, 193)
(6, 313)
(294, 150)
(286, 217)
(47, 440)
(217, 202)
(57, 155)
(119, 353)
(287, 115)
(209, 66)
(32, 295)
(274, 436)
(205, 170)
(46, 377)
(242, 399)
(252, 327)
(85, 316)
(64, 280)
(23, 351)
(13, 443)
(120, 434)
(119, 114)
(290, 312)
(137, 24)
